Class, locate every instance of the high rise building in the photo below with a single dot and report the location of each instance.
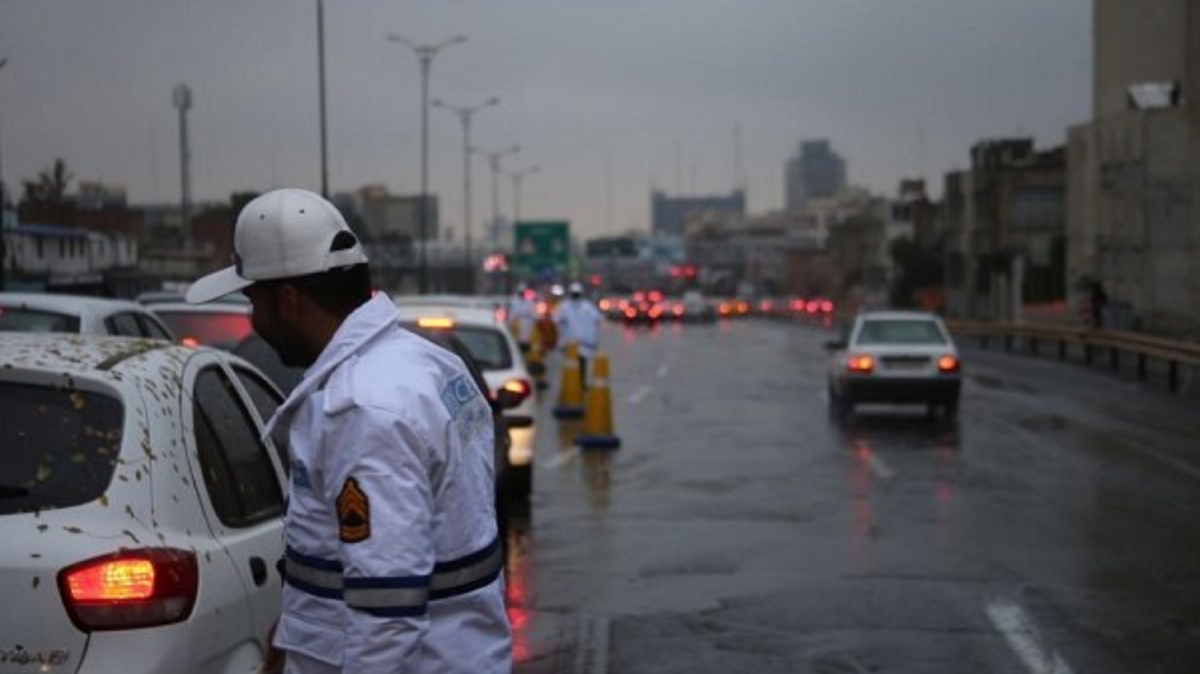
(816, 171)
(669, 215)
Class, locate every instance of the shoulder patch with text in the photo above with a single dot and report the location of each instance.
(468, 410)
(354, 513)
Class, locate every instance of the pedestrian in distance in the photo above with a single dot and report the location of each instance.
(393, 563)
(578, 321)
(523, 313)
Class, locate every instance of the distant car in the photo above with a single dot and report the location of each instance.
(140, 508)
(895, 357)
(78, 314)
(223, 325)
(696, 309)
(497, 354)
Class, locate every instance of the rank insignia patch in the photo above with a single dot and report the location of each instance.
(354, 513)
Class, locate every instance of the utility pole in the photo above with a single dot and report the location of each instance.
(321, 94)
(464, 115)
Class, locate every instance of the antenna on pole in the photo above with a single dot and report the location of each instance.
(739, 172)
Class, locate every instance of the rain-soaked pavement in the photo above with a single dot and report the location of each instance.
(1054, 529)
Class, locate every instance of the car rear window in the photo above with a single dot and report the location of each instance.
(17, 319)
(488, 346)
(59, 446)
(222, 330)
(900, 331)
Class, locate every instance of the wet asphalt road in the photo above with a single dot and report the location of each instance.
(1055, 528)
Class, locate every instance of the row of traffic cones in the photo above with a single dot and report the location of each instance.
(593, 405)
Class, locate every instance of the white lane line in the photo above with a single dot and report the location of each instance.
(1024, 639)
(879, 467)
(562, 459)
(639, 395)
(662, 371)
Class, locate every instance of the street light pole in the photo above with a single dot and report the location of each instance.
(3, 197)
(517, 177)
(321, 94)
(425, 54)
(494, 164)
(464, 115)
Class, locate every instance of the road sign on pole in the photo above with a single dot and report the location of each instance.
(541, 250)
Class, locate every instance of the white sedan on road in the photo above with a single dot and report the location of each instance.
(80, 314)
(140, 508)
(895, 357)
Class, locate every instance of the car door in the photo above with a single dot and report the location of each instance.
(242, 486)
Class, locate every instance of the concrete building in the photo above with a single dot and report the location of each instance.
(1134, 185)
(387, 216)
(815, 172)
(1005, 220)
(669, 215)
(54, 257)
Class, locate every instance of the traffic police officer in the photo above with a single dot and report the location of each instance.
(392, 558)
(578, 321)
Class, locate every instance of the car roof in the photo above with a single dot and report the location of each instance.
(207, 308)
(898, 315)
(76, 305)
(466, 315)
(88, 355)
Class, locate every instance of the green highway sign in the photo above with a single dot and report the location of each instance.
(541, 250)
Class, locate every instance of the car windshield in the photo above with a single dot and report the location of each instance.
(19, 319)
(59, 446)
(899, 332)
(219, 329)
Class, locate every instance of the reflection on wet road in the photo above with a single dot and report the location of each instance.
(739, 528)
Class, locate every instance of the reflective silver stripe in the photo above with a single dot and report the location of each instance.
(326, 580)
(386, 597)
(447, 580)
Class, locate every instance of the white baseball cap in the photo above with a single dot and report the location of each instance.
(282, 234)
(575, 288)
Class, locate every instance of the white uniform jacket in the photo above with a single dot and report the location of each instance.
(524, 313)
(393, 562)
(579, 321)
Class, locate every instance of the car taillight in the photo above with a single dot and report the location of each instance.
(190, 342)
(677, 309)
(765, 306)
(520, 387)
(948, 364)
(860, 364)
(142, 587)
(630, 312)
(827, 307)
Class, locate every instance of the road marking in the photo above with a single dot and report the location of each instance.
(1024, 639)
(879, 467)
(662, 371)
(639, 395)
(562, 459)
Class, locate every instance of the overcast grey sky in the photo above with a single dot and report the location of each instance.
(597, 93)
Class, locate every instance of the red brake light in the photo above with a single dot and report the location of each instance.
(677, 310)
(520, 387)
(655, 296)
(860, 363)
(827, 306)
(630, 312)
(134, 588)
(948, 364)
(189, 342)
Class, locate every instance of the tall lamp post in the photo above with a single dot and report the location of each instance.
(517, 177)
(464, 115)
(493, 159)
(3, 198)
(181, 97)
(425, 54)
(321, 94)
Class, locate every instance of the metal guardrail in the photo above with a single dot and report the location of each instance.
(1092, 341)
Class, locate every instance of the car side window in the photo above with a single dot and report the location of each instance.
(266, 400)
(123, 324)
(241, 482)
(153, 329)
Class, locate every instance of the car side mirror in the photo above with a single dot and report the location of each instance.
(835, 345)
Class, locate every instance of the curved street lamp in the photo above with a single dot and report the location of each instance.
(464, 114)
(494, 164)
(517, 177)
(425, 54)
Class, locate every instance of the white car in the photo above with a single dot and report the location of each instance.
(496, 352)
(79, 314)
(141, 511)
(895, 357)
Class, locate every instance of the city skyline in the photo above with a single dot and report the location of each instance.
(611, 102)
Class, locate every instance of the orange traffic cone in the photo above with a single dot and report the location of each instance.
(570, 389)
(535, 362)
(597, 417)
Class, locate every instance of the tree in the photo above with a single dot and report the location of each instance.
(46, 197)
